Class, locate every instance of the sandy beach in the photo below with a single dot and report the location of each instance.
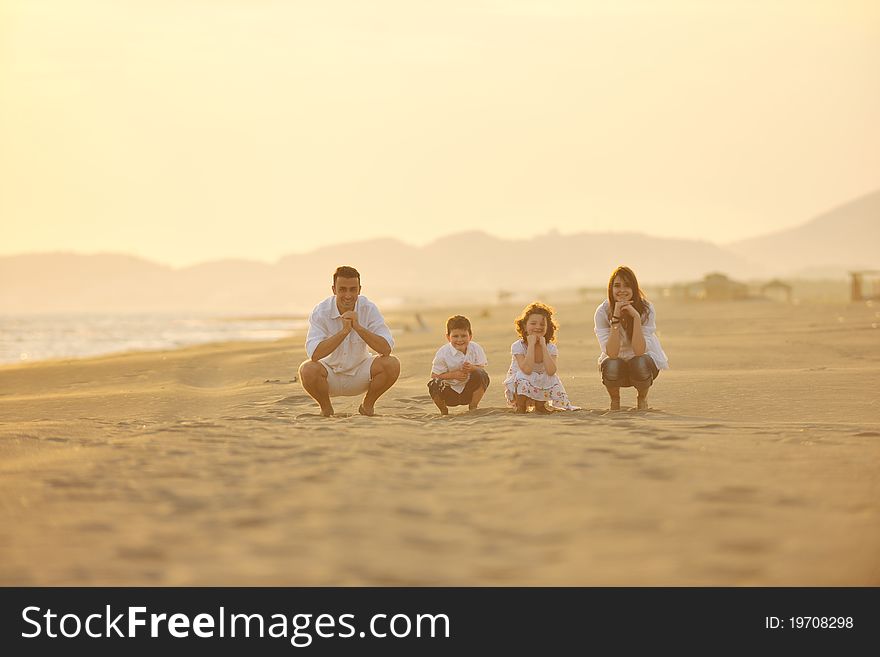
(758, 464)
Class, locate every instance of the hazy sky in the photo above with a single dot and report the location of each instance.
(186, 130)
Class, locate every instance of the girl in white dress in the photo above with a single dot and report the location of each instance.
(532, 379)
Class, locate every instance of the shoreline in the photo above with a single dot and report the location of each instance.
(134, 353)
(34, 339)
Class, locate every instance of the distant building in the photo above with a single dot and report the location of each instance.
(713, 287)
(777, 290)
(865, 284)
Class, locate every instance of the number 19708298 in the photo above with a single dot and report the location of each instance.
(820, 622)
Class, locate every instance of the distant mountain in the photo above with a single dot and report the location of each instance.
(61, 282)
(468, 266)
(843, 239)
(471, 266)
(110, 283)
(476, 260)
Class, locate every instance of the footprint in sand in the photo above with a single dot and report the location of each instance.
(294, 399)
(657, 474)
(730, 495)
(745, 546)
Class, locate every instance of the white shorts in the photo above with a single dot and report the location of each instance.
(351, 383)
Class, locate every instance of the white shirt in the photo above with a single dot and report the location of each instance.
(449, 359)
(325, 321)
(649, 331)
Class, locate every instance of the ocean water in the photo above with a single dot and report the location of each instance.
(28, 338)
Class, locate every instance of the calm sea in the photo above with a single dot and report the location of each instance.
(27, 338)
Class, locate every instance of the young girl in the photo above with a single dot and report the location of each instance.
(531, 379)
(625, 325)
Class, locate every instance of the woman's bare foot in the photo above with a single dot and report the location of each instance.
(614, 393)
(363, 410)
(522, 403)
(541, 407)
(327, 411)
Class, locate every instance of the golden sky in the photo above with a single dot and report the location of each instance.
(187, 130)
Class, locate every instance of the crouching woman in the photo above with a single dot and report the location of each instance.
(625, 325)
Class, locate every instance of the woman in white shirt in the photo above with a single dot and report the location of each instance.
(626, 326)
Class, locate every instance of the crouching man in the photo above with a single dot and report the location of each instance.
(342, 331)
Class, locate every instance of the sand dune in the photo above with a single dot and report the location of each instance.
(757, 465)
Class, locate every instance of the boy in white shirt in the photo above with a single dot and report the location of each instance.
(458, 376)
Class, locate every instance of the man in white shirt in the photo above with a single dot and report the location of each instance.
(342, 330)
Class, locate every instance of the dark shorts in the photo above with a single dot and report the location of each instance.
(479, 379)
(638, 372)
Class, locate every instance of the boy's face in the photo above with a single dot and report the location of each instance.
(459, 338)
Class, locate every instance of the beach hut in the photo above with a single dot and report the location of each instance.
(718, 287)
(713, 287)
(777, 291)
(865, 284)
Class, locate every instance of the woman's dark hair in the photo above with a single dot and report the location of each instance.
(639, 301)
(537, 308)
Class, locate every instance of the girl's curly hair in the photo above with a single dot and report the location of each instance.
(537, 308)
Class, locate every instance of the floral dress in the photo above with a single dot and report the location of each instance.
(538, 385)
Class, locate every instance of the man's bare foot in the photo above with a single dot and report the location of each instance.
(327, 411)
(363, 410)
(472, 407)
(642, 403)
(615, 404)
